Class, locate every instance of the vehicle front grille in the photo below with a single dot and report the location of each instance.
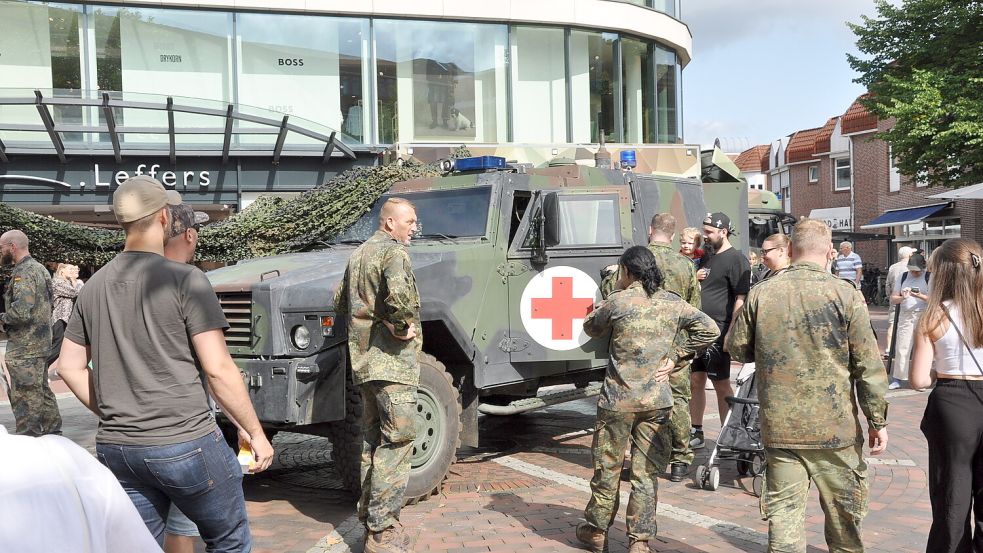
(237, 307)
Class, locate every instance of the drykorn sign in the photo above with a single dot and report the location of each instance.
(43, 179)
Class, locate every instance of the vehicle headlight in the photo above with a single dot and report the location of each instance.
(301, 337)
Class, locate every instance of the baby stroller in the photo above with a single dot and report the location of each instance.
(740, 438)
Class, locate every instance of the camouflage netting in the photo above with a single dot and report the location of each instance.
(269, 226)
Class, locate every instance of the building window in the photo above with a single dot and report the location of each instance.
(813, 173)
(314, 71)
(841, 174)
(638, 88)
(441, 81)
(539, 92)
(894, 177)
(164, 52)
(668, 96)
(592, 76)
(39, 49)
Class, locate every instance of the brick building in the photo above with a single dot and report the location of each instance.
(844, 175)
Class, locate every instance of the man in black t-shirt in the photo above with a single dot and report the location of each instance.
(724, 282)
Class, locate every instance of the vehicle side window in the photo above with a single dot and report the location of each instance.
(520, 202)
(589, 221)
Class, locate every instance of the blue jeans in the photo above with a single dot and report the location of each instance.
(202, 477)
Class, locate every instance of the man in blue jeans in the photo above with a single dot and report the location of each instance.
(143, 320)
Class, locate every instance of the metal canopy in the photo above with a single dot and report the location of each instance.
(905, 216)
(974, 192)
(225, 127)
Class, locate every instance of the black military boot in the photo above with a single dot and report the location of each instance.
(677, 472)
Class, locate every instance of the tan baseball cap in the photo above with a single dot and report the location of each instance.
(140, 196)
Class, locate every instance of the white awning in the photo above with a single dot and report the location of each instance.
(974, 192)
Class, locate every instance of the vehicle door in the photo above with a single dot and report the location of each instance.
(549, 296)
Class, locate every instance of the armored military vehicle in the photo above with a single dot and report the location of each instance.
(507, 262)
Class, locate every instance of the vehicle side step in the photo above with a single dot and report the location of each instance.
(538, 402)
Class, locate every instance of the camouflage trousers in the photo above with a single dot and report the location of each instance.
(33, 403)
(646, 431)
(840, 476)
(388, 422)
(680, 421)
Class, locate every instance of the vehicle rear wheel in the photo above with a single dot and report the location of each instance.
(438, 427)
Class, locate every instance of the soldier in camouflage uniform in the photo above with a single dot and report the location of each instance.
(810, 337)
(679, 278)
(651, 331)
(28, 326)
(380, 299)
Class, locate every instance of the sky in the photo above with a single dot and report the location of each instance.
(763, 69)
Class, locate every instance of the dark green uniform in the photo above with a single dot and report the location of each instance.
(680, 278)
(633, 407)
(28, 325)
(379, 286)
(809, 335)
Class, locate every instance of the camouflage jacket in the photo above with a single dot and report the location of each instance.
(28, 303)
(809, 335)
(379, 286)
(677, 270)
(644, 331)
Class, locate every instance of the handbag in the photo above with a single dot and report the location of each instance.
(965, 343)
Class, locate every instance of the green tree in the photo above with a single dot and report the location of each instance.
(923, 67)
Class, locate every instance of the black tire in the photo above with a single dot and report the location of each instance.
(346, 439)
(439, 436)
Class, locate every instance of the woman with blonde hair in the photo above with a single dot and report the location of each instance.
(949, 351)
(65, 286)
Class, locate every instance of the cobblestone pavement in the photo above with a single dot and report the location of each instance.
(525, 489)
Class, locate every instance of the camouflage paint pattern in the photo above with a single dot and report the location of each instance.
(645, 431)
(27, 321)
(472, 286)
(28, 317)
(840, 476)
(32, 401)
(809, 335)
(379, 287)
(388, 421)
(645, 331)
(680, 421)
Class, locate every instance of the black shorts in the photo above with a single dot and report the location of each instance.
(714, 361)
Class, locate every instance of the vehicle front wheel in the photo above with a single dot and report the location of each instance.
(438, 429)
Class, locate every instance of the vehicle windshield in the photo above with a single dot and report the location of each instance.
(456, 213)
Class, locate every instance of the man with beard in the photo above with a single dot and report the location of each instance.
(28, 326)
(725, 281)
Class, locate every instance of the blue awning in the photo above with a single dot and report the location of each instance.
(896, 217)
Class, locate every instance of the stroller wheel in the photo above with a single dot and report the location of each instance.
(758, 464)
(701, 476)
(744, 465)
(714, 480)
(758, 485)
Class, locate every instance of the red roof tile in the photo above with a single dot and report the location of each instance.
(801, 146)
(858, 119)
(824, 136)
(754, 160)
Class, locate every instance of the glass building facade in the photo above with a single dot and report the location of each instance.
(374, 80)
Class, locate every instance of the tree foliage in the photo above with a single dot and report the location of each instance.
(923, 66)
(269, 226)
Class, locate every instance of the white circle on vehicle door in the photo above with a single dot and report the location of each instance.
(554, 305)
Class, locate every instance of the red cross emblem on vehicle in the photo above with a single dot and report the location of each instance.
(554, 305)
(562, 308)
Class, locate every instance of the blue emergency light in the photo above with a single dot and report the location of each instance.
(628, 159)
(481, 163)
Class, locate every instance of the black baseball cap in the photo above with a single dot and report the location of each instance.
(718, 220)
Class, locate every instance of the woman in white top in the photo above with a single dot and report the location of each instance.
(948, 348)
(910, 292)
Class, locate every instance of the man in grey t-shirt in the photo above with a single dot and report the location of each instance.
(143, 320)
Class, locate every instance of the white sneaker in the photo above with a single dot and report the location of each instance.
(894, 385)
